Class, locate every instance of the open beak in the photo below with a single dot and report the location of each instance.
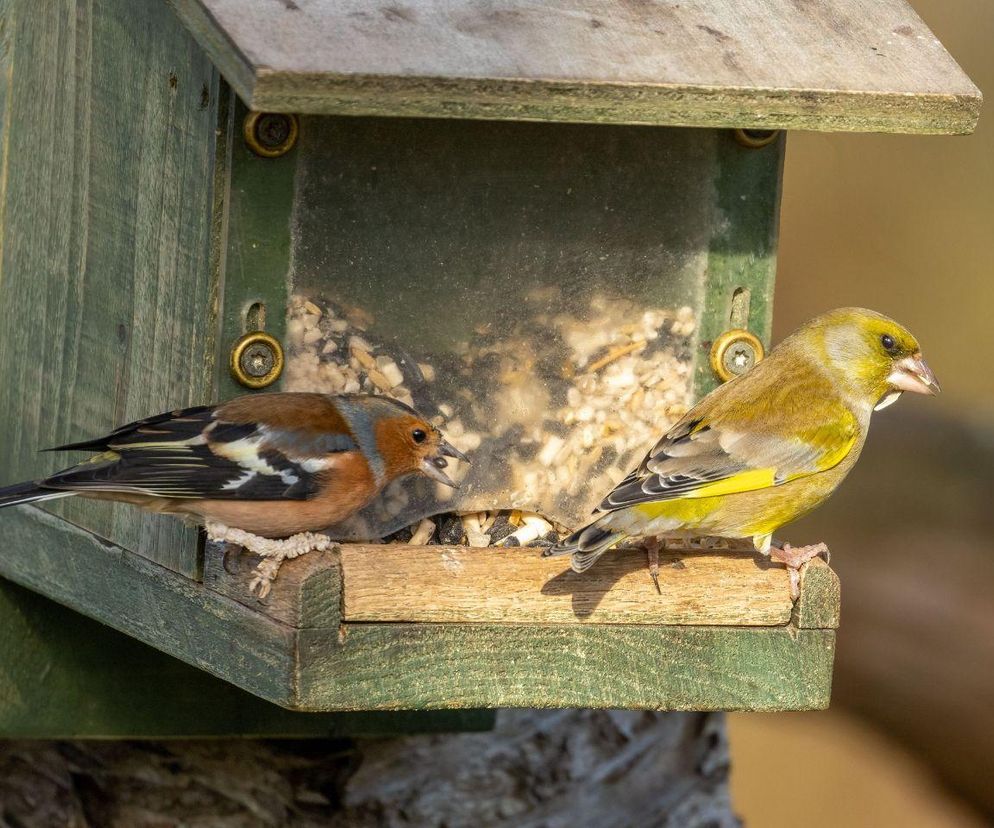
(432, 467)
(446, 448)
(912, 374)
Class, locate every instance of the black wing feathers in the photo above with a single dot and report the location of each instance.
(181, 424)
(168, 456)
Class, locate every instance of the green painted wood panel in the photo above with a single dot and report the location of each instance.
(419, 666)
(427, 666)
(742, 257)
(106, 290)
(63, 676)
(257, 247)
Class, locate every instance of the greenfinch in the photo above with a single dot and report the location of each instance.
(766, 447)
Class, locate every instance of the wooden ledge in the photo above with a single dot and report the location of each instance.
(381, 627)
(440, 583)
(376, 583)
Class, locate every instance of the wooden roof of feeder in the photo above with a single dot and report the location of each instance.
(836, 65)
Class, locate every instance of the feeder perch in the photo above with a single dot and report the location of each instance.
(551, 230)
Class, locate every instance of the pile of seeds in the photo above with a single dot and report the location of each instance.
(553, 410)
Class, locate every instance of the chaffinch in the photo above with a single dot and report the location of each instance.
(766, 447)
(267, 465)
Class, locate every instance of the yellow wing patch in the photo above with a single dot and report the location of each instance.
(750, 480)
(743, 481)
(689, 512)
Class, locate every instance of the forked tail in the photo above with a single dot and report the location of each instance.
(28, 493)
(586, 545)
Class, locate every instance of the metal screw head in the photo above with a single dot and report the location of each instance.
(270, 134)
(756, 138)
(257, 360)
(735, 352)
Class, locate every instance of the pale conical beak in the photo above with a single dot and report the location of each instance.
(432, 467)
(912, 374)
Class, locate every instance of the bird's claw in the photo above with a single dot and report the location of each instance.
(651, 546)
(263, 576)
(795, 559)
(273, 552)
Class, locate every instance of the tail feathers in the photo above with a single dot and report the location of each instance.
(27, 493)
(586, 545)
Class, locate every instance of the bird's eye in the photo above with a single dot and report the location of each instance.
(888, 342)
(419, 435)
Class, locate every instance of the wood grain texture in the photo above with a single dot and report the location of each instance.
(63, 676)
(737, 291)
(106, 294)
(308, 592)
(414, 666)
(839, 65)
(257, 261)
(373, 666)
(819, 606)
(438, 583)
(134, 595)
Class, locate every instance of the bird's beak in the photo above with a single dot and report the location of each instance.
(912, 374)
(432, 467)
(446, 448)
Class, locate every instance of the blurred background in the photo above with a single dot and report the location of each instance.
(903, 225)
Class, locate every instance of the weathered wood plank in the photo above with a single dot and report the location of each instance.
(388, 666)
(258, 248)
(106, 292)
(308, 592)
(737, 291)
(441, 583)
(359, 666)
(131, 594)
(63, 676)
(839, 65)
(820, 602)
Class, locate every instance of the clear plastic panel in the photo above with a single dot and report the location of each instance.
(532, 289)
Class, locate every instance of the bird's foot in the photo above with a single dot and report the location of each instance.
(652, 546)
(795, 558)
(273, 551)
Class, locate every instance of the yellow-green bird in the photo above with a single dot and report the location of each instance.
(766, 447)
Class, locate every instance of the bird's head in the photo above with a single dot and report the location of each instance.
(408, 443)
(873, 356)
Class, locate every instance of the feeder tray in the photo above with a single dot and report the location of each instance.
(493, 211)
(380, 627)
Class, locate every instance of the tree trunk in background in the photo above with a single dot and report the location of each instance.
(537, 768)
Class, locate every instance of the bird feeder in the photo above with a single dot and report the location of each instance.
(551, 229)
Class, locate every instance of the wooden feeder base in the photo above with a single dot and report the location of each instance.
(374, 627)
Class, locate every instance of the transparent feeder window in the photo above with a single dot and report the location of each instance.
(532, 291)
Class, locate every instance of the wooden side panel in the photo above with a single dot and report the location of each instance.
(106, 299)
(414, 666)
(257, 248)
(172, 613)
(820, 602)
(68, 677)
(742, 257)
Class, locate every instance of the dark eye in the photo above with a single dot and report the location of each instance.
(888, 342)
(419, 435)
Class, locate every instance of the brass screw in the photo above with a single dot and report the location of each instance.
(270, 134)
(756, 138)
(735, 352)
(257, 360)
